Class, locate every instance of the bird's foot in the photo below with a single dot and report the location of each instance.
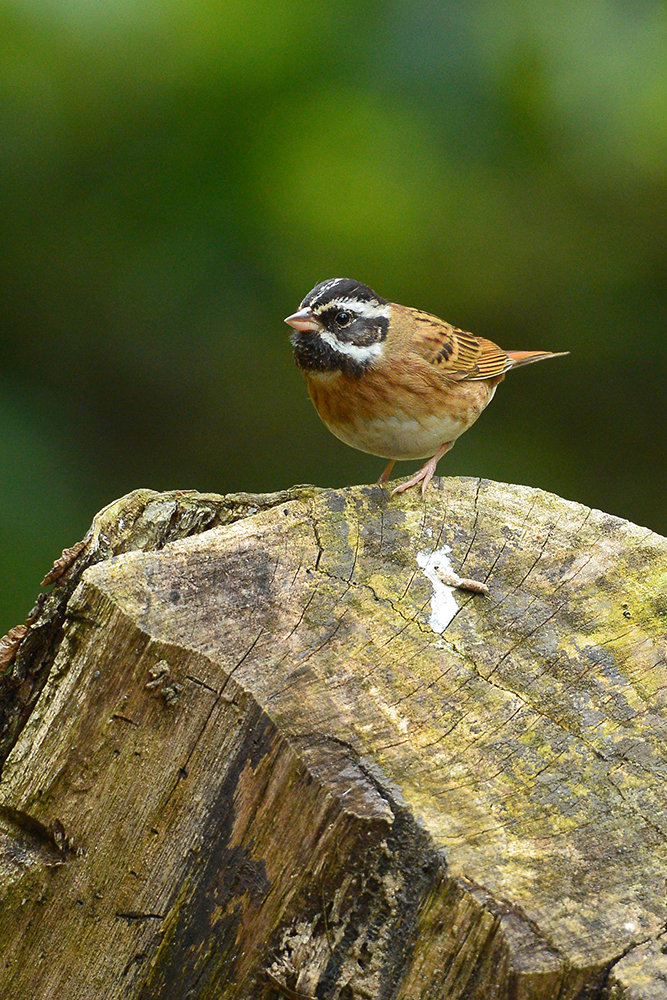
(424, 476)
(426, 473)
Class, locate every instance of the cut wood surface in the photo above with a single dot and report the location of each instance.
(260, 747)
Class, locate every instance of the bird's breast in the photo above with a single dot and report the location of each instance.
(399, 414)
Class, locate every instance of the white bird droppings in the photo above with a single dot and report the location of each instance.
(443, 602)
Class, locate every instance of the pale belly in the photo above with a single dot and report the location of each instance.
(373, 423)
(400, 437)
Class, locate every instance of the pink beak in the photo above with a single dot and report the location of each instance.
(304, 320)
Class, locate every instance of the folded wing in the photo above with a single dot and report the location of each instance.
(460, 356)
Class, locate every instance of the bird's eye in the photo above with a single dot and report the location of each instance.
(343, 317)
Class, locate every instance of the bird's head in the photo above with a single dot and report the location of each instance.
(341, 325)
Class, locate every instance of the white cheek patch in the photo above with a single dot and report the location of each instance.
(362, 355)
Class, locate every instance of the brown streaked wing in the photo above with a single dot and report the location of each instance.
(456, 354)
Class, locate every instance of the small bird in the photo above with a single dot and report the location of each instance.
(391, 380)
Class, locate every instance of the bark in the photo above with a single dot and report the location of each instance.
(261, 747)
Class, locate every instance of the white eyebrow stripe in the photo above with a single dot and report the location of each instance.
(369, 310)
(360, 354)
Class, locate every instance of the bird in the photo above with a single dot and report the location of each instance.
(391, 380)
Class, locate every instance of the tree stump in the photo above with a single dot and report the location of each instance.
(263, 746)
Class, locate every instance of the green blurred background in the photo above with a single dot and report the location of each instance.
(175, 176)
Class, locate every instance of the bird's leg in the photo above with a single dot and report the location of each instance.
(387, 472)
(427, 471)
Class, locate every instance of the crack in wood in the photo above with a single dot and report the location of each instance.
(200, 683)
(474, 525)
(523, 639)
(522, 530)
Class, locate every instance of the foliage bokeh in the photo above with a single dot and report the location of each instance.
(175, 177)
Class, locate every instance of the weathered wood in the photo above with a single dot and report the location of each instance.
(282, 757)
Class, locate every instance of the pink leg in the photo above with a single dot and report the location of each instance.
(387, 472)
(427, 471)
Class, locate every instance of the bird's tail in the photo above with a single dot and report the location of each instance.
(527, 357)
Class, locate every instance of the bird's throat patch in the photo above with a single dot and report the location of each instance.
(323, 351)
